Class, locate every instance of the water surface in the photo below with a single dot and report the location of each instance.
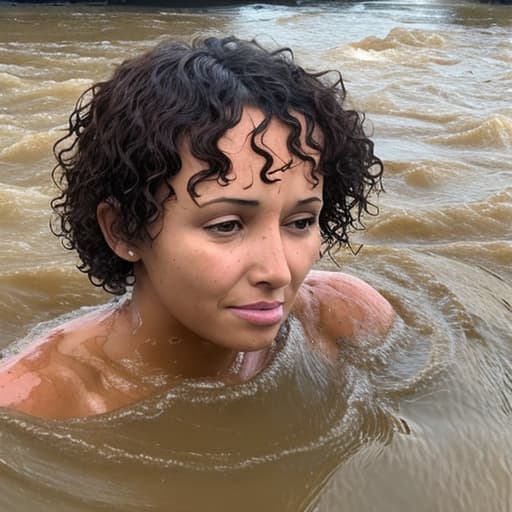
(421, 423)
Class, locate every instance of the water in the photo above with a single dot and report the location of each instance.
(422, 423)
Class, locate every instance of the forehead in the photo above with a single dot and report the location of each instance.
(273, 138)
(247, 163)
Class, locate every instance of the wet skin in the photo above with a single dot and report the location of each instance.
(219, 279)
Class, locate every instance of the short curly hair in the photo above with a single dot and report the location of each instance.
(124, 136)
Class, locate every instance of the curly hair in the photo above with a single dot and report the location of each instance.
(123, 141)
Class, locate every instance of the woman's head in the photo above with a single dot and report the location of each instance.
(127, 134)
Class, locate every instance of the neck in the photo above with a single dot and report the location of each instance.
(139, 336)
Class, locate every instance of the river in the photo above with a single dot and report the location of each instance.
(423, 423)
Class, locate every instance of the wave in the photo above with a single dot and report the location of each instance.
(409, 48)
(495, 256)
(400, 37)
(494, 132)
(426, 174)
(64, 90)
(16, 200)
(30, 148)
(487, 220)
(43, 291)
(8, 80)
(390, 101)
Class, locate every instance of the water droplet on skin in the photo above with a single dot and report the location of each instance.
(174, 340)
(137, 322)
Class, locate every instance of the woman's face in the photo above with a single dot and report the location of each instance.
(226, 270)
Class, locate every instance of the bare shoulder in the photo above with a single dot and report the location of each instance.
(48, 378)
(333, 305)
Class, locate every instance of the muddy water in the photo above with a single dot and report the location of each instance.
(422, 423)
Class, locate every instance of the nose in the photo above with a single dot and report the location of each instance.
(269, 261)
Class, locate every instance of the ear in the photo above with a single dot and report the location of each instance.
(108, 216)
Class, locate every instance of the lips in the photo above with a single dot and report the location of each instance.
(260, 313)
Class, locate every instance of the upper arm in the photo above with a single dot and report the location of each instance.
(16, 384)
(335, 305)
(26, 389)
(46, 384)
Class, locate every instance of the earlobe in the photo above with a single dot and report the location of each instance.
(107, 214)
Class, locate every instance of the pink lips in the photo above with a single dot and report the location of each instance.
(260, 313)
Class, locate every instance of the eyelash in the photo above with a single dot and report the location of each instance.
(218, 228)
(310, 221)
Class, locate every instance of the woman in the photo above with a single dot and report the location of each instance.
(208, 177)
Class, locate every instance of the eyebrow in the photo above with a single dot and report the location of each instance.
(252, 202)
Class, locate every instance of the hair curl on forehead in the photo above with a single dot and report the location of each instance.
(125, 134)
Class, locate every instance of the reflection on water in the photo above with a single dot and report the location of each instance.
(421, 422)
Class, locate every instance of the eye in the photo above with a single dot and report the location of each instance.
(302, 224)
(227, 227)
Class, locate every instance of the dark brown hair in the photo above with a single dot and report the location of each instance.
(122, 143)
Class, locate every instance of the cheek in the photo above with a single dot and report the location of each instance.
(207, 270)
(303, 257)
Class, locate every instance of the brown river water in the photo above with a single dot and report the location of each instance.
(423, 422)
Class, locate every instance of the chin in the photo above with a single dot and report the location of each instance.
(273, 335)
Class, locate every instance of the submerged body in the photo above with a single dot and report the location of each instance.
(86, 367)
